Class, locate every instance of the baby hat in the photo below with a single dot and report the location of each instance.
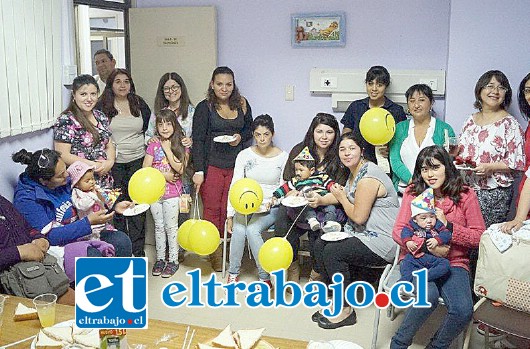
(304, 155)
(78, 170)
(423, 203)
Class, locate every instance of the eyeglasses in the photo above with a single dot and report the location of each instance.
(526, 91)
(173, 88)
(44, 161)
(499, 88)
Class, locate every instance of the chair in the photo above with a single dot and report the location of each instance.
(503, 319)
(391, 275)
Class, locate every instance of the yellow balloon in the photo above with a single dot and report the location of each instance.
(276, 253)
(245, 195)
(377, 126)
(147, 185)
(204, 238)
(183, 235)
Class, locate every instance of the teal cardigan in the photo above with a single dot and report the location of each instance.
(399, 170)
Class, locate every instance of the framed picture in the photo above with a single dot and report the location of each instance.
(318, 29)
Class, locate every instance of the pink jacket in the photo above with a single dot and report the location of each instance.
(465, 218)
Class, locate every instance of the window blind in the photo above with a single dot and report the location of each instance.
(30, 65)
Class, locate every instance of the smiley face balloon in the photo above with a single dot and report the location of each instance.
(245, 195)
(377, 126)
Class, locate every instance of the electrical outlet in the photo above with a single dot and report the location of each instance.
(432, 83)
(328, 82)
(289, 92)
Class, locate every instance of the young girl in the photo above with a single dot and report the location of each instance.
(168, 155)
(87, 197)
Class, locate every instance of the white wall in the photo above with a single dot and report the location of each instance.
(485, 35)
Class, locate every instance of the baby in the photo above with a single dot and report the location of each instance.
(87, 197)
(308, 179)
(423, 231)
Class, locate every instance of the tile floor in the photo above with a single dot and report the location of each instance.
(287, 323)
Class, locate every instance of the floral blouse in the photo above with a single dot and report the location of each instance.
(68, 130)
(502, 141)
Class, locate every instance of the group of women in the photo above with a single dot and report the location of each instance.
(110, 135)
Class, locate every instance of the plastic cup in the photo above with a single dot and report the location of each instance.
(452, 146)
(45, 305)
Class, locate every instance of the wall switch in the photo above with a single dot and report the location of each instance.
(289, 92)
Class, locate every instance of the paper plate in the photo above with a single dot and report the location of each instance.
(294, 201)
(137, 209)
(463, 167)
(224, 139)
(261, 344)
(335, 236)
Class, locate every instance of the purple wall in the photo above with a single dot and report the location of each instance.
(485, 35)
(254, 39)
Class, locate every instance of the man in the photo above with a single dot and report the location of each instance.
(105, 64)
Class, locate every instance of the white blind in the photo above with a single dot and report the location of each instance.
(30, 65)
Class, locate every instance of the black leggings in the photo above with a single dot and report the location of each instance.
(350, 257)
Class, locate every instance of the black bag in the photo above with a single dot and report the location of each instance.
(30, 279)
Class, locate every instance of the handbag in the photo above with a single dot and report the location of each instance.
(30, 279)
(504, 276)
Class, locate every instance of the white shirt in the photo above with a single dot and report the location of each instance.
(409, 148)
(101, 84)
(266, 171)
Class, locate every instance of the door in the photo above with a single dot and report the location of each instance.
(180, 39)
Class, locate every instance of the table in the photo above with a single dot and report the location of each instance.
(12, 331)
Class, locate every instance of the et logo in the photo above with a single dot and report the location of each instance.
(245, 196)
(111, 292)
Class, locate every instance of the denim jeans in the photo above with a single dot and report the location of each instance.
(166, 214)
(456, 293)
(241, 231)
(118, 239)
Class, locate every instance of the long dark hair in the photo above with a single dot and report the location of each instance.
(454, 183)
(234, 101)
(40, 164)
(524, 107)
(160, 99)
(106, 101)
(168, 115)
(72, 107)
(331, 161)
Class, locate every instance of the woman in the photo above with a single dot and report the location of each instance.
(377, 81)
(223, 113)
(82, 133)
(322, 140)
(370, 222)
(43, 197)
(524, 107)
(494, 140)
(458, 208)
(172, 93)
(415, 134)
(129, 116)
(19, 242)
(264, 163)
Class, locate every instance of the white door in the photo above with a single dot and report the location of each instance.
(179, 39)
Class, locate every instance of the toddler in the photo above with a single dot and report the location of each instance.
(308, 179)
(87, 197)
(167, 154)
(423, 231)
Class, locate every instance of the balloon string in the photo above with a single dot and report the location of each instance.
(196, 206)
(294, 222)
